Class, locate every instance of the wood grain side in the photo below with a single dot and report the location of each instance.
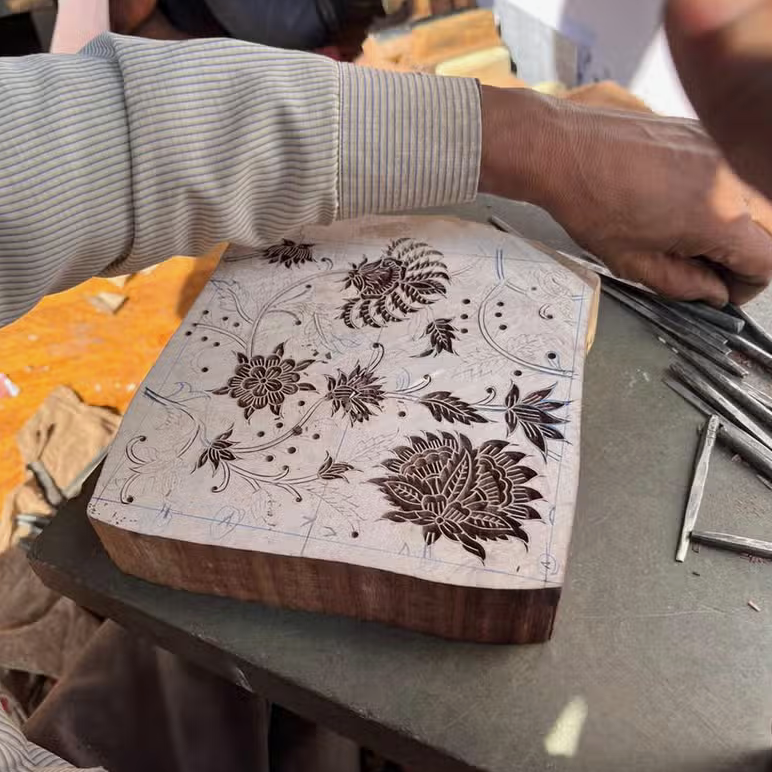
(449, 611)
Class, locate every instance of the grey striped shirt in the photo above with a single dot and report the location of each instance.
(134, 150)
(17, 754)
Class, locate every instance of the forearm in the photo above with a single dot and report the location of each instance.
(524, 142)
(65, 196)
(134, 151)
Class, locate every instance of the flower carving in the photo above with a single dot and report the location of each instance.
(355, 393)
(333, 470)
(218, 451)
(289, 253)
(534, 414)
(467, 494)
(389, 289)
(265, 381)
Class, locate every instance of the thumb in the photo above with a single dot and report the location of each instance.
(673, 277)
(723, 52)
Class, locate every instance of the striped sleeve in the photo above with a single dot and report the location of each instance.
(134, 150)
(408, 141)
(65, 197)
(17, 754)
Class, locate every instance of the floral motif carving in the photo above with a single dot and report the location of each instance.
(289, 253)
(265, 381)
(467, 494)
(409, 275)
(534, 414)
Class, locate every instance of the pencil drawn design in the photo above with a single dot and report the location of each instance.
(534, 413)
(467, 494)
(289, 253)
(407, 277)
(441, 334)
(265, 381)
(150, 469)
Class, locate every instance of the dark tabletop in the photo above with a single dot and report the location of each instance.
(654, 665)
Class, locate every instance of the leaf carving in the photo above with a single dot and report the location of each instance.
(441, 334)
(445, 407)
(535, 414)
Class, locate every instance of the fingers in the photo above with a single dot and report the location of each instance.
(672, 277)
(723, 52)
(747, 256)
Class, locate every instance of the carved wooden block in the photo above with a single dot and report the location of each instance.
(378, 418)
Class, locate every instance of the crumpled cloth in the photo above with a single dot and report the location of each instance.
(40, 632)
(131, 707)
(65, 434)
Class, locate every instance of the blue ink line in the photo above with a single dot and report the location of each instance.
(330, 541)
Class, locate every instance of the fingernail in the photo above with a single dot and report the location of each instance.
(697, 17)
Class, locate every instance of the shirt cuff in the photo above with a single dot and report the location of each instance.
(407, 141)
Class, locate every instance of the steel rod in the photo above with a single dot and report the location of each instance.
(748, 448)
(709, 314)
(673, 312)
(727, 363)
(697, 383)
(732, 389)
(663, 317)
(718, 356)
(701, 465)
(752, 326)
(751, 350)
(728, 541)
(760, 395)
(656, 318)
(697, 326)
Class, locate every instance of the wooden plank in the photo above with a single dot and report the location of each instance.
(448, 611)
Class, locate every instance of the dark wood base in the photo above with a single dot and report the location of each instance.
(449, 611)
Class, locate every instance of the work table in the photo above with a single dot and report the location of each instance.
(670, 664)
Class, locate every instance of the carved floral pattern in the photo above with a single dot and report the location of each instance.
(355, 393)
(468, 491)
(218, 451)
(441, 334)
(467, 494)
(265, 381)
(407, 277)
(534, 414)
(333, 470)
(289, 253)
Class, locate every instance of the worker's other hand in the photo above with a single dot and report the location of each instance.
(723, 52)
(648, 195)
(127, 15)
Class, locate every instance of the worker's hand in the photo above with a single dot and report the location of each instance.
(723, 52)
(650, 196)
